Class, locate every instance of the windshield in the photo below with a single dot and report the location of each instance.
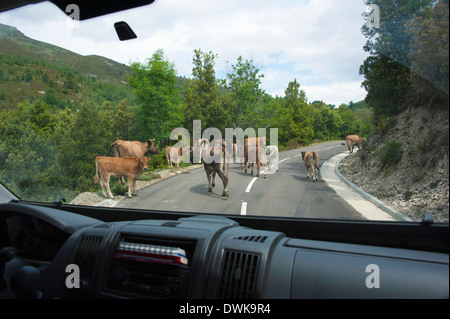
(299, 109)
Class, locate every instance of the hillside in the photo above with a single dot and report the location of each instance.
(14, 42)
(31, 69)
(406, 165)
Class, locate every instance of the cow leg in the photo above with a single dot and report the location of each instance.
(226, 169)
(208, 175)
(224, 179)
(134, 187)
(213, 184)
(130, 184)
(103, 187)
(110, 195)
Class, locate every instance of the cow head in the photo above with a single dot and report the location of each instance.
(143, 162)
(303, 155)
(151, 147)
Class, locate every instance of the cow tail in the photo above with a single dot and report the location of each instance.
(116, 150)
(316, 160)
(110, 149)
(96, 170)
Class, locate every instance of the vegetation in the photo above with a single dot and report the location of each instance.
(56, 116)
(408, 62)
(390, 153)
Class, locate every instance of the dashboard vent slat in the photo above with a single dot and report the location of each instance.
(104, 226)
(239, 275)
(255, 239)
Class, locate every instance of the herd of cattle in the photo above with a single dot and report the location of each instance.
(129, 160)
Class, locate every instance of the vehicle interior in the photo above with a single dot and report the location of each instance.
(124, 253)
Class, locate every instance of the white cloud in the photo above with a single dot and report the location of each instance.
(317, 42)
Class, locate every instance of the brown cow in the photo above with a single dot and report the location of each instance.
(137, 149)
(215, 164)
(352, 141)
(254, 152)
(311, 160)
(130, 167)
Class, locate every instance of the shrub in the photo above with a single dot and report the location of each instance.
(390, 153)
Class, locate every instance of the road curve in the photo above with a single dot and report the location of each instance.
(287, 193)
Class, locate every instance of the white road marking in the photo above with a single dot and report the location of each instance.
(249, 187)
(244, 208)
(283, 160)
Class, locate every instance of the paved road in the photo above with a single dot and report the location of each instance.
(286, 193)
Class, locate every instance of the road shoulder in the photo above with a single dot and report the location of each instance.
(368, 206)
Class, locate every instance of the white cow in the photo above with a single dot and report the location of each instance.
(272, 157)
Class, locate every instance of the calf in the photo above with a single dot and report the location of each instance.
(352, 141)
(121, 148)
(130, 167)
(311, 160)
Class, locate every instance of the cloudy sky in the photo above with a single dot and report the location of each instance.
(317, 42)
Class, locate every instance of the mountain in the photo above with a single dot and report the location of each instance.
(31, 69)
(14, 42)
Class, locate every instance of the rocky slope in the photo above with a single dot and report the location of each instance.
(412, 175)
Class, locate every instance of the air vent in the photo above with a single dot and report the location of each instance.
(255, 239)
(86, 255)
(104, 226)
(239, 275)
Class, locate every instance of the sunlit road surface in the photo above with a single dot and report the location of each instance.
(286, 193)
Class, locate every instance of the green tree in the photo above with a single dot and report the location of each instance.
(203, 97)
(124, 123)
(386, 70)
(27, 154)
(298, 115)
(429, 55)
(349, 124)
(243, 83)
(155, 85)
(327, 122)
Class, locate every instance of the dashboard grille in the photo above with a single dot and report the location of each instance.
(239, 275)
(85, 257)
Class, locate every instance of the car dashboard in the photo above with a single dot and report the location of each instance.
(202, 257)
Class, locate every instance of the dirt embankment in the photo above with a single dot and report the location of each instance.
(407, 165)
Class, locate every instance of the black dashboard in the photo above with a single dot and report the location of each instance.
(204, 257)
